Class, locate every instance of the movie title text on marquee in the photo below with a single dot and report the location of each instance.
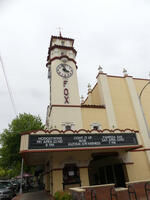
(81, 140)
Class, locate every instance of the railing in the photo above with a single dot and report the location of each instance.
(131, 191)
(147, 189)
(113, 193)
(93, 196)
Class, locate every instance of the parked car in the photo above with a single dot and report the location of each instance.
(15, 184)
(5, 193)
(7, 184)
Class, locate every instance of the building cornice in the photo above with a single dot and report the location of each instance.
(61, 47)
(92, 106)
(61, 38)
(127, 76)
(79, 106)
(59, 58)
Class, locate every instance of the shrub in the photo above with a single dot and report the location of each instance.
(62, 195)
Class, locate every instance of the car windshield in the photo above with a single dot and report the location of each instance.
(7, 184)
(2, 186)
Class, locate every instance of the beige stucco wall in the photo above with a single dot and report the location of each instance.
(57, 87)
(61, 115)
(58, 42)
(24, 142)
(84, 176)
(104, 91)
(57, 180)
(81, 158)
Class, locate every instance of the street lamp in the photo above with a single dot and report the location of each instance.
(142, 107)
(21, 177)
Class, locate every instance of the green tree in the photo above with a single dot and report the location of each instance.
(10, 159)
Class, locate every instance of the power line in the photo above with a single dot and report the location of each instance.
(8, 87)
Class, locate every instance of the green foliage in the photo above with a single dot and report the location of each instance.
(62, 195)
(3, 172)
(10, 159)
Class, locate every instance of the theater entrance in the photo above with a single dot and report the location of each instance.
(107, 168)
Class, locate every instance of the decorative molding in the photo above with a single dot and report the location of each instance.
(79, 106)
(83, 130)
(127, 148)
(92, 106)
(100, 73)
(142, 79)
(59, 58)
(61, 47)
(58, 105)
(145, 149)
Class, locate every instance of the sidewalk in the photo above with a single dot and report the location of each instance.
(38, 195)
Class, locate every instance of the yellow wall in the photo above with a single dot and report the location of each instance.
(57, 180)
(84, 176)
(145, 97)
(91, 115)
(125, 117)
(95, 96)
(140, 169)
(122, 103)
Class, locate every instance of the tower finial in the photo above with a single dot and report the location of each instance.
(100, 69)
(125, 72)
(59, 28)
(82, 99)
(89, 87)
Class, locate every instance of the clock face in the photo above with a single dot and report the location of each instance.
(64, 70)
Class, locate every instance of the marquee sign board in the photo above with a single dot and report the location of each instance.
(63, 141)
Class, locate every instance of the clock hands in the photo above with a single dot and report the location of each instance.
(65, 70)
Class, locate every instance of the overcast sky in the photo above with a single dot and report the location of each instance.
(112, 33)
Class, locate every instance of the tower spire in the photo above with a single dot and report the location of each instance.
(59, 28)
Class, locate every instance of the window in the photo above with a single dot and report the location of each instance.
(71, 174)
(66, 126)
(96, 126)
(62, 43)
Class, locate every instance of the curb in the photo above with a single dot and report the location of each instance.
(18, 197)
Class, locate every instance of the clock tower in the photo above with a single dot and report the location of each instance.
(64, 110)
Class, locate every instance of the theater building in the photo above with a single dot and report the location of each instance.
(100, 140)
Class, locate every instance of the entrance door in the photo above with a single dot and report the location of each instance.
(119, 173)
(104, 171)
(71, 177)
